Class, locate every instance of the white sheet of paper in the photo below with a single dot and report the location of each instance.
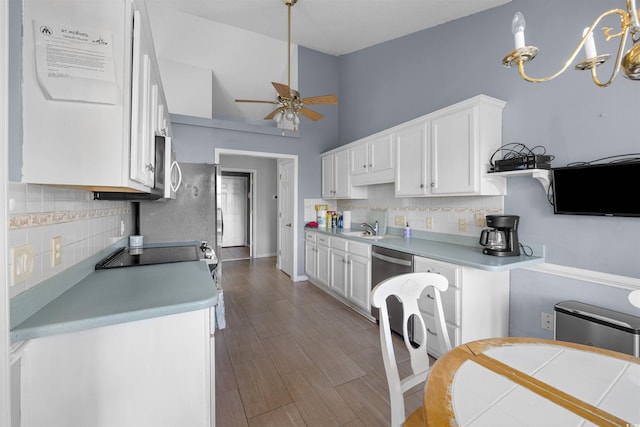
(75, 64)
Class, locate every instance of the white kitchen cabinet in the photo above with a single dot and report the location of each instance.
(338, 268)
(412, 154)
(317, 258)
(310, 259)
(476, 305)
(322, 260)
(359, 275)
(342, 267)
(372, 160)
(89, 144)
(336, 182)
(446, 153)
(150, 372)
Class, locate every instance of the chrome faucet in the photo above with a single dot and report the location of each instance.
(373, 230)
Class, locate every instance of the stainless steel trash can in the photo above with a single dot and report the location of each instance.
(596, 326)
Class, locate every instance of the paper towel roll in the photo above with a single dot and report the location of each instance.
(346, 220)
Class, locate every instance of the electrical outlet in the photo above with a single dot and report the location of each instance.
(480, 219)
(401, 220)
(547, 321)
(21, 263)
(462, 224)
(56, 250)
(429, 223)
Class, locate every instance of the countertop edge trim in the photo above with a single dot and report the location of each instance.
(24, 334)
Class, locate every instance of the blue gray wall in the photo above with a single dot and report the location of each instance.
(405, 78)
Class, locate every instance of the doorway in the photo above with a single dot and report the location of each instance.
(237, 205)
(267, 240)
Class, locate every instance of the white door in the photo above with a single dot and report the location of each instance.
(234, 205)
(285, 216)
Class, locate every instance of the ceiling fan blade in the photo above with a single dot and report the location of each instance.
(253, 100)
(283, 90)
(323, 99)
(272, 114)
(310, 114)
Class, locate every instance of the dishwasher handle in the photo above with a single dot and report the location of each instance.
(406, 263)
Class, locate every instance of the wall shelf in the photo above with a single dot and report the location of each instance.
(542, 175)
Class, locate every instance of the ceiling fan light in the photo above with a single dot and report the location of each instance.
(289, 115)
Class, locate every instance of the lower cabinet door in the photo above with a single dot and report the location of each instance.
(323, 266)
(359, 283)
(338, 272)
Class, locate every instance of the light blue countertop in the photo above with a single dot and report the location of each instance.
(118, 295)
(457, 251)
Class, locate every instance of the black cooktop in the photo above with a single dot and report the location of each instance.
(132, 257)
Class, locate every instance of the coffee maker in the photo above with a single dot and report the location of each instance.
(502, 238)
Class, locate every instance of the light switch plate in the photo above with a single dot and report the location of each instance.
(429, 223)
(21, 263)
(462, 224)
(480, 219)
(56, 250)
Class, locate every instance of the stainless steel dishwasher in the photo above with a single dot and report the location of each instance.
(386, 263)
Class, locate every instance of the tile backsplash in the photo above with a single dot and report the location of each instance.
(435, 214)
(37, 213)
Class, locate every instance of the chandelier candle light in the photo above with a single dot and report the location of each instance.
(629, 61)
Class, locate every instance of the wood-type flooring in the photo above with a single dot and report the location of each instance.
(292, 355)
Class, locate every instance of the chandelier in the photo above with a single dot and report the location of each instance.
(629, 61)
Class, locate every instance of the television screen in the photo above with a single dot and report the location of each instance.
(607, 189)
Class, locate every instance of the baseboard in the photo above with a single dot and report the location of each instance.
(598, 277)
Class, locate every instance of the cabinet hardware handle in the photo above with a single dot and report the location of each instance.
(149, 167)
(370, 165)
(433, 184)
(431, 332)
(421, 185)
(429, 296)
(364, 166)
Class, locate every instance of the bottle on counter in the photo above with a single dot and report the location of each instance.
(407, 231)
(322, 218)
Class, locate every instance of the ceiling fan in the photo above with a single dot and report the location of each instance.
(290, 105)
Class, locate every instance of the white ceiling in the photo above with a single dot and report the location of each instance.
(335, 27)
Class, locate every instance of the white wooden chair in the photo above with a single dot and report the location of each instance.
(407, 288)
(634, 298)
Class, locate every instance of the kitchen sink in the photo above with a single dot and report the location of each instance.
(363, 235)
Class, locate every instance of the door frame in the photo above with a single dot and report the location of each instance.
(228, 151)
(253, 212)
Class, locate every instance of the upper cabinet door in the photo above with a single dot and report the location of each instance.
(453, 153)
(342, 183)
(328, 191)
(381, 154)
(359, 160)
(412, 160)
(143, 105)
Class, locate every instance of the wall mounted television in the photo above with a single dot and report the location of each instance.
(611, 189)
